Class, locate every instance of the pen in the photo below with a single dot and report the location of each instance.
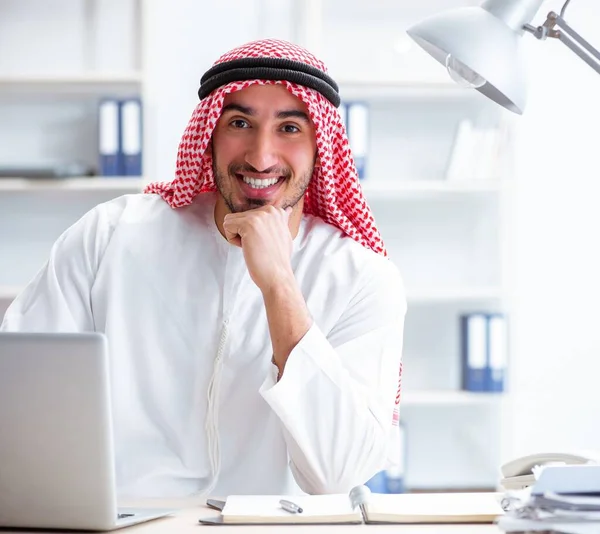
(290, 507)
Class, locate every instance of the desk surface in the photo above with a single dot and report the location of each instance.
(185, 521)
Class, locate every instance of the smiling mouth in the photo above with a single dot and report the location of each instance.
(259, 183)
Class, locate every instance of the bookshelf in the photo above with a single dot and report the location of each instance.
(465, 295)
(124, 184)
(446, 232)
(409, 90)
(8, 293)
(49, 117)
(388, 190)
(98, 80)
(434, 398)
(448, 238)
(82, 84)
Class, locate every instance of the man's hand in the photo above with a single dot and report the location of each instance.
(265, 238)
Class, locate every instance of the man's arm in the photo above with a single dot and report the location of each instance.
(289, 320)
(336, 397)
(266, 241)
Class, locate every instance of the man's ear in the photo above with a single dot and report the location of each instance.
(317, 164)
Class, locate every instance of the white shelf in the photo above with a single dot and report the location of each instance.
(424, 296)
(9, 292)
(410, 90)
(380, 190)
(105, 183)
(457, 294)
(72, 83)
(74, 77)
(449, 398)
(373, 190)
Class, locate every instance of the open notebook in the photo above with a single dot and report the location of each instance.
(362, 506)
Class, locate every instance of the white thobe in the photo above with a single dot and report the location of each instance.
(196, 401)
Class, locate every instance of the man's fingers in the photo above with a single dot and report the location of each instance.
(236, 240)
(236, 225)
(231, 228)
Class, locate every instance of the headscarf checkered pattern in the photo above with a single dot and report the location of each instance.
(334, 193)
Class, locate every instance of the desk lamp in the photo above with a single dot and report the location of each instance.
(480, 46)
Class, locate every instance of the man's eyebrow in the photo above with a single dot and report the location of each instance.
(237, 107)
(285, 114)
(296, 113)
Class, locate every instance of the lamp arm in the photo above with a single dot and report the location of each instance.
(573, 40)
(585, 50)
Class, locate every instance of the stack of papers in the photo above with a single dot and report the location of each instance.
(564, 499)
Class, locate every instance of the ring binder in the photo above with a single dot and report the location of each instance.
(359, 496)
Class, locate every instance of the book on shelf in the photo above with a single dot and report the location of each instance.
(484, 352)
(392, 480)
(120, 137)
(359, 506)
(473, 341)
(497, 352)
(475, 152)
(356, 117)
(109, 137)
(131, 133)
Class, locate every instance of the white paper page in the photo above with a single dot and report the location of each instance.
(436, 504)
(268, 506)
(514, 524)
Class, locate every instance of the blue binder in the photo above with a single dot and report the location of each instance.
(109, 137)
(392, 480)
(497, 352)
(474, 351)
(131, 136)
(395, 478)
(358, 135)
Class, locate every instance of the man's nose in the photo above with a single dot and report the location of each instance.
(261, 154)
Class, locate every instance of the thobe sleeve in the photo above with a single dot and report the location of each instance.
(338, 392)
(58, 297)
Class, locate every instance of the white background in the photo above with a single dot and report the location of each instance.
(535, 245)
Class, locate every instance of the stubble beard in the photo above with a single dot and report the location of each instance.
(293, 196)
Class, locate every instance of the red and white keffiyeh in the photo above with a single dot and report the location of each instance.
(334, 193)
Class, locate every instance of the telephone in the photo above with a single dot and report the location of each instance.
(519, 473)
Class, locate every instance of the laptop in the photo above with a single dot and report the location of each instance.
(57, 467)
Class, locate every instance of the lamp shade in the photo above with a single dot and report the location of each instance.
(484, 44)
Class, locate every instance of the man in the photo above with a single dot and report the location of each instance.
(254, 323)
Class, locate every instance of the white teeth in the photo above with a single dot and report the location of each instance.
(260, 184)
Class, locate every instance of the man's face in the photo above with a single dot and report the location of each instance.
(264, 148)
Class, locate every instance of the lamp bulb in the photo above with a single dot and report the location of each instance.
(461, 74)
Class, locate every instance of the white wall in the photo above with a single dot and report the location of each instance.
(182, 39)
(555, 363)
(555, 366)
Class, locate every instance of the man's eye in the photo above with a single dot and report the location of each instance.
(291, 128)
(239, 123)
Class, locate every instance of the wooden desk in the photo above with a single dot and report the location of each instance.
(185, 521)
